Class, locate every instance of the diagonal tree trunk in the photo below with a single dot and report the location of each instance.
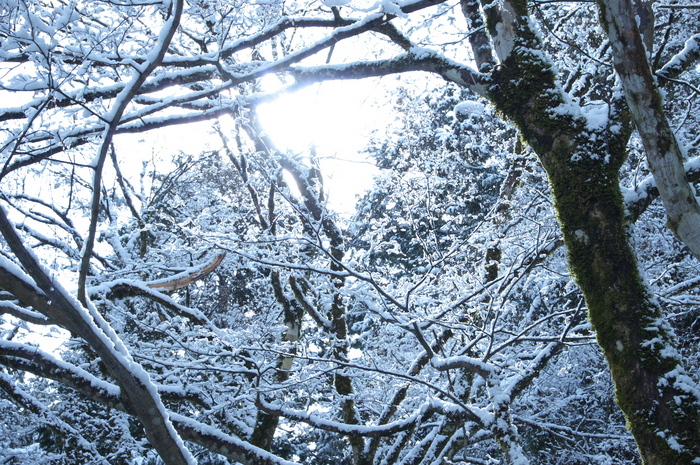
(645, 103)
(57, 304)
(657, 398)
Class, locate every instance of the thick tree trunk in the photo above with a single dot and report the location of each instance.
(651, 390)
(644, 100)
(656, 397)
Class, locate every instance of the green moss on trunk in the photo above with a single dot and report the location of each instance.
(629, 327)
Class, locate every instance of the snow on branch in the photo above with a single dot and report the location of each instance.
(473, 365)
(415, 60)
(316, 421)
(224, 444)
(22, 287)
(121, 288)
(22, 313)
(40, 363)
(682, 60)
(638, 199)
(71, 434)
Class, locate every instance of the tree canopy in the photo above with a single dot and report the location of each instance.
(519, 285)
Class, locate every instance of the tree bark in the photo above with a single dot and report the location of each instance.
(50, 298)
(656, 397)
(644, 100)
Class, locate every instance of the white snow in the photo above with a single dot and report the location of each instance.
(469, 108)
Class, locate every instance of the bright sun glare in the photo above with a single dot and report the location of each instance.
(336, 119)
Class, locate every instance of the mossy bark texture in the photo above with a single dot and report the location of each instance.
(582, 165)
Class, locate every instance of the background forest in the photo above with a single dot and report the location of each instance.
(520, 284)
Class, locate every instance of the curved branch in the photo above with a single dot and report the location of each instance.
(683, 60)
(415, 60)
(188, 276)
(376, 431)
(122, 288)
(154, 59)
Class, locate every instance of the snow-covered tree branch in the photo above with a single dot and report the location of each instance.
(517, 286)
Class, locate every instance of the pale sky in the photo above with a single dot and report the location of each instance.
(337, 118)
